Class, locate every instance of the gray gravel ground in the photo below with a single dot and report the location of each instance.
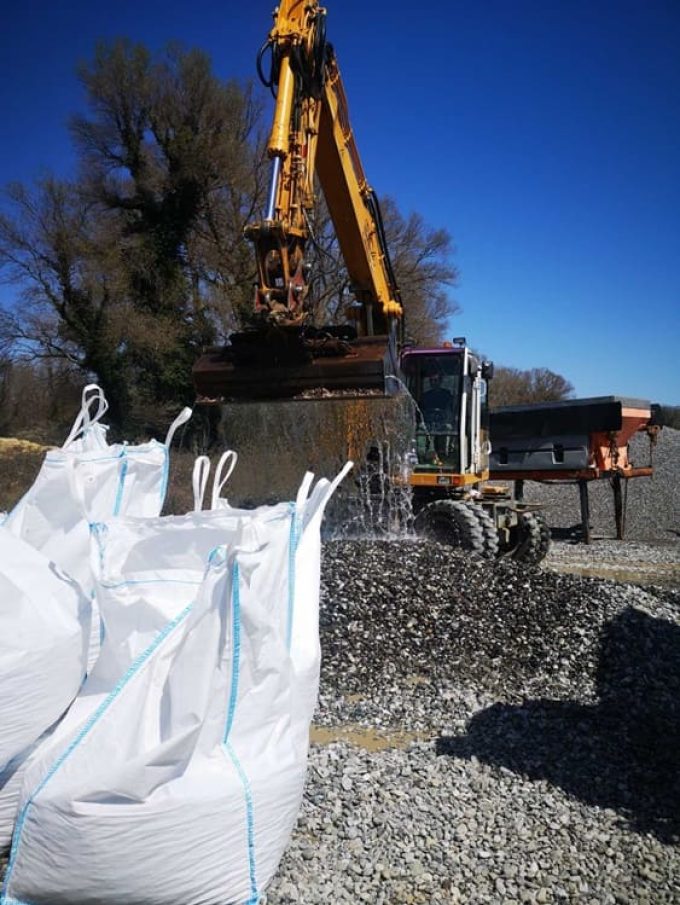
(489, 735)
(642, 562)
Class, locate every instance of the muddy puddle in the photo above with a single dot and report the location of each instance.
(666, 574)
(362, 737)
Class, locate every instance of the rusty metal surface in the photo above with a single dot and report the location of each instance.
(365, 368)
(559, 477)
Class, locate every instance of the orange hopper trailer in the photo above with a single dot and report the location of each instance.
(574, 441)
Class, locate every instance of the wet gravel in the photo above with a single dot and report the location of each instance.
(503, 736)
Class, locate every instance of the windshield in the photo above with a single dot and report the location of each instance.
(434, 381)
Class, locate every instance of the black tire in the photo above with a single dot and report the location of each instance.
(534, 539)
(491, 539)
(452, 522)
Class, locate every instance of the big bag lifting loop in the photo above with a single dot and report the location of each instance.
(227, 462)
(84, 421)
(181, 419)
(199, 480)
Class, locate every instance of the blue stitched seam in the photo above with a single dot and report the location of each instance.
(236, 657)
(250, 818)
(166, 474)
(217, 554)
(121, 483)
(120, 584)
(102, 627)
(91, 722)
(292, 549)
(99, 531)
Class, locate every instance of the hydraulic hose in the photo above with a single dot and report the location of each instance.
(310, 69)
(269, 81)
(376, 213)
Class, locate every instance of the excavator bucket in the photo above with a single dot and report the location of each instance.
(282, 439)
(288, 366)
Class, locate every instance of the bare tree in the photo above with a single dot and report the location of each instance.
(59, 251)
(421, 258)
(512, 386)
(129, 270)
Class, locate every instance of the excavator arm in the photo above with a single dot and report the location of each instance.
(355, 210)
(284, 353)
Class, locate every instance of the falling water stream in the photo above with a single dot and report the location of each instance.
(278, 441)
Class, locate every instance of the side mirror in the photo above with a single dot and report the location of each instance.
(487, 370)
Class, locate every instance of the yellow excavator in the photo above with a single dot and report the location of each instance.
(284, 355)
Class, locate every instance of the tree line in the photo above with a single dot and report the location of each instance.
(126, 271)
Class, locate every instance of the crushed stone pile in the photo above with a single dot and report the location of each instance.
(445, 628)
(501, 735)
(653, 510)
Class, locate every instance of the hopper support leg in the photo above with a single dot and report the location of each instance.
(585, 510)
(619, 507)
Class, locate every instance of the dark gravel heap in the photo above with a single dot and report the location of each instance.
(448, 632)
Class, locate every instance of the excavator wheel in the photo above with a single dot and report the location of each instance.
(491, 540)
(455, 523)
(534, 539)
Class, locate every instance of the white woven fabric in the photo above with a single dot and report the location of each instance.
(177, 775)
(44, 632)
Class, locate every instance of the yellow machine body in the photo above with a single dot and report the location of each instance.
(286, 353)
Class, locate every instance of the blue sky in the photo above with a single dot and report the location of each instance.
(545, 136)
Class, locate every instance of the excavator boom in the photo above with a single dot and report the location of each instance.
(288, 349)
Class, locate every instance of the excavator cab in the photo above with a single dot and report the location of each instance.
(434, 381)
(448, 386)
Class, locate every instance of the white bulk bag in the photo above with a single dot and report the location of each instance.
(182, 782)
(148, 570)
(86, 481)
(44, 632)
(44, 626)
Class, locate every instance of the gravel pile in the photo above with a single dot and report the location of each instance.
(446, 630)
(514, 736)
(653, 511)
(640, 562)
